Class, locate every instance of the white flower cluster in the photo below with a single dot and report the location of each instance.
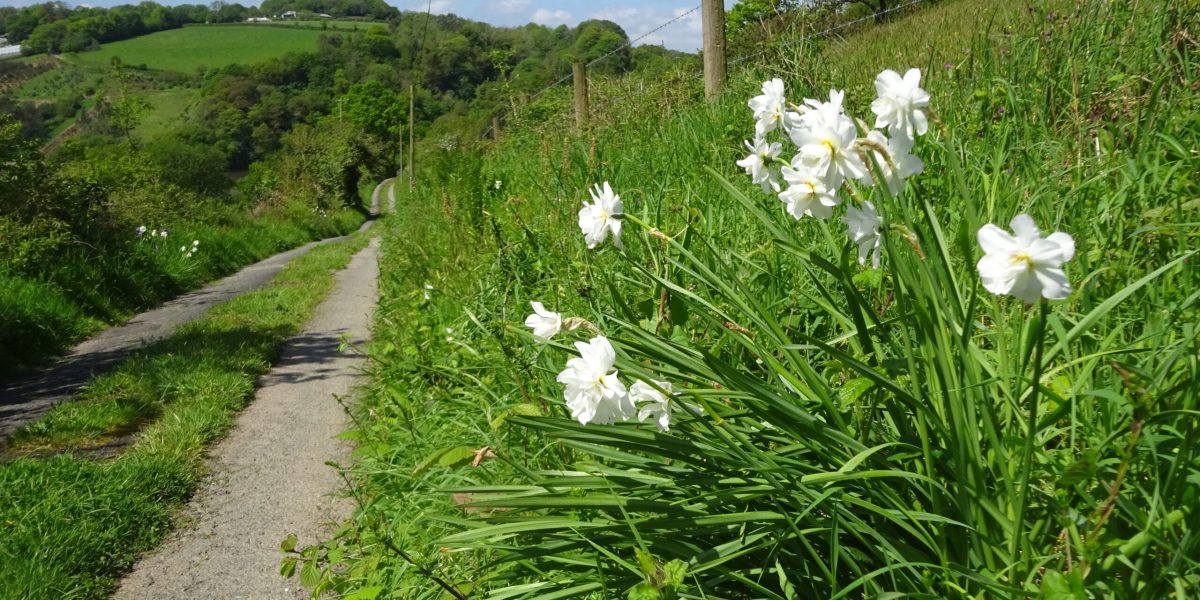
(594, 393)
(187, 251)
(154, 233)
(829, 151)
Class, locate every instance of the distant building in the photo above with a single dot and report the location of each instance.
(7, 51)
(291, 14)
(259, 20)
(324, 16)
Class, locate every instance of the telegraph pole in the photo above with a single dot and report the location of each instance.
(412, 166)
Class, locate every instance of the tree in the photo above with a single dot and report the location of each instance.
(374, 108)
(596, 39)
(752, 15)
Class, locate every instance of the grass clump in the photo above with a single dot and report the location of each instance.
(838, 431)
(73, 524)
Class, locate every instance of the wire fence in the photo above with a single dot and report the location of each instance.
(733, 61)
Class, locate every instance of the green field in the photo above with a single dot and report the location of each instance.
(168, 108)
(185, 50)
(323, 24)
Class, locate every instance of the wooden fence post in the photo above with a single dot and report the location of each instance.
(712, 13)
(495, 129)
(581, 95)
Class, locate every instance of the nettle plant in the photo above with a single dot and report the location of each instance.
(908, 416)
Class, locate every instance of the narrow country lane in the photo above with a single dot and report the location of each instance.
(269, 477)
(26, 398)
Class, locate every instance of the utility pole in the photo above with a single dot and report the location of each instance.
(712, 13)
(400, 133)
(579, 70)
(412, 166)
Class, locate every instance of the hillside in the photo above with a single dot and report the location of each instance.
(808, 424)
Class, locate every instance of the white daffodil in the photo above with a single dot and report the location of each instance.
(428, 288)
(807, 193)
(758, 164)
(601, 216)
(652, 403)
(1026, 265)
(815, 111)
(141, 230)
(826, 142)
(898, 165)
(900, 103)
(594, 394)
(545, 324)
(863, 228)
(768, 108)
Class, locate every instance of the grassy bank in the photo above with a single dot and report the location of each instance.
(853, 432)
(87, 287)
(72, 525)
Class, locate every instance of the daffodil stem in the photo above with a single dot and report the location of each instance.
(1031, 432)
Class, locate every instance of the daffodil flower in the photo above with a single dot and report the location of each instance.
(863, 228)
(758, 164)
(898, 165)
(545, 324)
(601, 216)
(900, 104)
(807, 193)
(826, 141)
(652, 403)
(1025, 265)
(769, 108)
(594, 394)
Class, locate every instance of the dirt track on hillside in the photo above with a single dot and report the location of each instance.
(26, 398)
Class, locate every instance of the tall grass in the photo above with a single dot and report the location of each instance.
(855, 432)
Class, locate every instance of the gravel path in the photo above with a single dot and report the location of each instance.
(269, 477)
(26, 398)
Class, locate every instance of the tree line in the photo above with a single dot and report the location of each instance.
(55, 27)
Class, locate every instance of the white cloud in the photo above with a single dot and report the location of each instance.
(512, 6)
(683, 34)
(542, 16)
(436, 7)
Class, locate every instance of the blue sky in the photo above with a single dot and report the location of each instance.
(636, 17)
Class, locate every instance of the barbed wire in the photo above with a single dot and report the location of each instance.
(824, 32)
(820, 34)
(608, 54)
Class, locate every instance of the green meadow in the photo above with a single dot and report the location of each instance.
(211, 46)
